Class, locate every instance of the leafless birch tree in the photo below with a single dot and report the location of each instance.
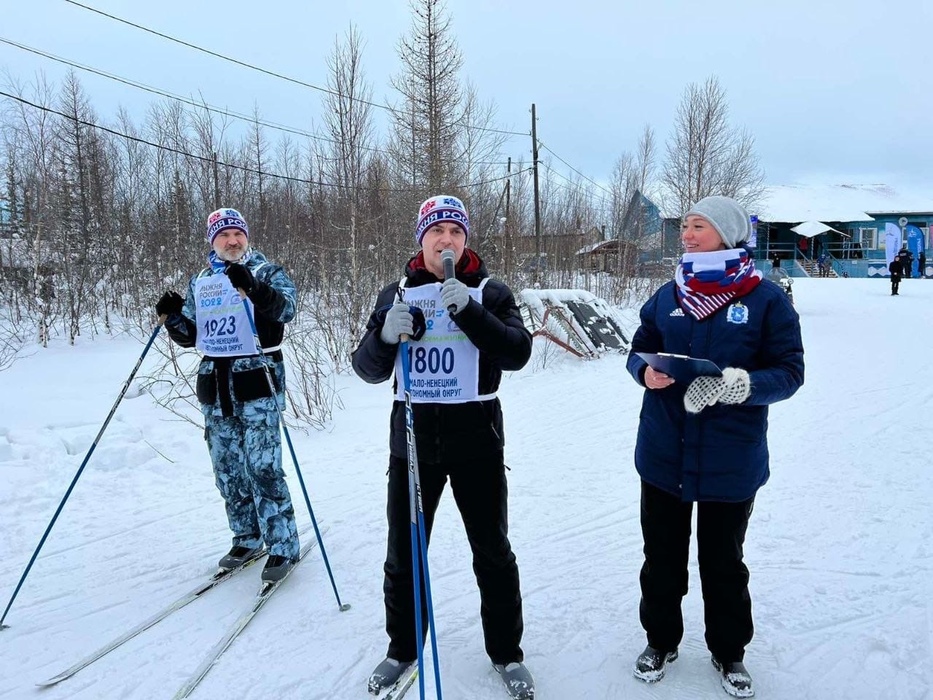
(706, 154)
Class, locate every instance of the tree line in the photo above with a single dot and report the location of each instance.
(103, 214)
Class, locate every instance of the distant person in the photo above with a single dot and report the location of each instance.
(705, 441)
(804, 245)
(922, 265)
(906, 258)
(895, 269)
(775, 259)
(822, 263)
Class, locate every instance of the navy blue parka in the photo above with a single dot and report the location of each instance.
(721, 453)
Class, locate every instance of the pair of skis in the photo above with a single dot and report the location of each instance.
(265, 592)
(232, 633)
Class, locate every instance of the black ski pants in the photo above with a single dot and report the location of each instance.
(665, 526)
(480, 491)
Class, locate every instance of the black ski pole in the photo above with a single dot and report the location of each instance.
(126, 385)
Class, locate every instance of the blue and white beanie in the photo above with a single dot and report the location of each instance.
(218, 220)
(439, 209)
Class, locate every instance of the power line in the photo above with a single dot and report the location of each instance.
(234, 166)
(265, 71)
(544, 146)
(602, 199)
(196, 104)
(163, 93)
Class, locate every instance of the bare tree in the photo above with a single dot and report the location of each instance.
(426, 122)
(79, 236)
(347, 157)
(706, 155)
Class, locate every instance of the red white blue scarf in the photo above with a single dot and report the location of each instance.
(706, 282)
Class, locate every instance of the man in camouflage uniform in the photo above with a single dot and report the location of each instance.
(241, 423)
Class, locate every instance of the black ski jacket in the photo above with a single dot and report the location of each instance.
(452, 432)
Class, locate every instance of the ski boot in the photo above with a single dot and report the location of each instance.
(650, 665)
(276, 567)
(238, 555)
(386, 674)
(518, 680)
(735, 678)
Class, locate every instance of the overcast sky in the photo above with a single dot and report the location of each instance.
(830, 95)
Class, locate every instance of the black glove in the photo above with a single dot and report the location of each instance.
(240, 277)
(170, 303)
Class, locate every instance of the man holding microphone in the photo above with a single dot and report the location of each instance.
(465, 330)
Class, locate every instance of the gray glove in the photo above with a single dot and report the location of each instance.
(732, 387)
(454, 293)
(398, 322)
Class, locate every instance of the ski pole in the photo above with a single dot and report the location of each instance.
(317, 532)
(419, 538)
(126, 385)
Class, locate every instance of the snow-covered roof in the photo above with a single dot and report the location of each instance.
(593, 246)
(813, 228)
(845, 202)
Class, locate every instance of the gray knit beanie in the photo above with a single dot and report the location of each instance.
(727, 216)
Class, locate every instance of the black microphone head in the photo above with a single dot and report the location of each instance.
(447, 257)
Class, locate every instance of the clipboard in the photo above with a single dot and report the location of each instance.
(681, 367)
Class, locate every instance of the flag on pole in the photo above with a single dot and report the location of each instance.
(892, 241)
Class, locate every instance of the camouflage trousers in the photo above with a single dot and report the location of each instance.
(246, 451)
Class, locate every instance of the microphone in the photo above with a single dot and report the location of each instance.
(447, 257)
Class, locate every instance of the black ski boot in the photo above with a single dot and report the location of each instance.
(238, 555)
(276, 567)
(518, 680)
(649, 667)
(386, 674)
(735, 678)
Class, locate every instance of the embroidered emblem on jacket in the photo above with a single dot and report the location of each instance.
(677, 312)
(737, 313)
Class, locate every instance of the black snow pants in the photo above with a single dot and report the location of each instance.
(480, 491)
(665, 525)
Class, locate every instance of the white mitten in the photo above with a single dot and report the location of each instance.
(703, 392)
(738, 385)
(733, 386)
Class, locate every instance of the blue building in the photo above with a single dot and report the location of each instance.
(854, 220)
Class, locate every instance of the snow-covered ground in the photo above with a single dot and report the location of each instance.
(840, 545)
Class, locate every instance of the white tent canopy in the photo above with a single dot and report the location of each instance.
(809, 229)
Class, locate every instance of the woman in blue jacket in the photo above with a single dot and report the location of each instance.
(705, 441)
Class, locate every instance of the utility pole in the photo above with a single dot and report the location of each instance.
(216, 183)
(508, 220)
(534, 155)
